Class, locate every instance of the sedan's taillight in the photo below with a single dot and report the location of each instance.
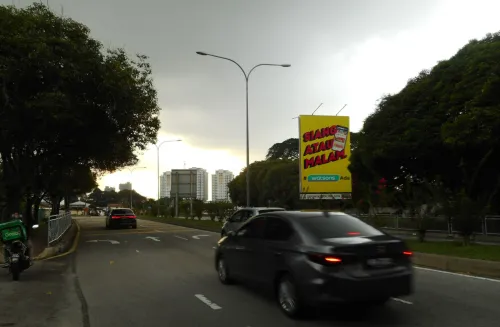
(408, 253)
(324, 259)
(116, 217)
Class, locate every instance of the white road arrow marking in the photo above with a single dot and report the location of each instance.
(110, 241)
(197, 237)
(156, 239)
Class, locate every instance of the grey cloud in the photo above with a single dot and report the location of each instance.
(203, 98)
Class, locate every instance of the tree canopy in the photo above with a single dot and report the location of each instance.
(69, 109)
(435, 144)
(441, 130)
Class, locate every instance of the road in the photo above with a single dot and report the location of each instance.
(164, 275)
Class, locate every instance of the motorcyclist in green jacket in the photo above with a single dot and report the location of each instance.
(23, 237)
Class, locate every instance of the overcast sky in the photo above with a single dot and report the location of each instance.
(341, 52)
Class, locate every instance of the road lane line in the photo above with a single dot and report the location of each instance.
(137, 251)
(401, 300)
(203, 299)
(121, 233)
(460, 275)
(180, 237)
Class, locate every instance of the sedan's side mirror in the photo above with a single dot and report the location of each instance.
(35, 226)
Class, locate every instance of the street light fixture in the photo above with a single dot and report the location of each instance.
(158, 170)
(247, 76)
(131, 170)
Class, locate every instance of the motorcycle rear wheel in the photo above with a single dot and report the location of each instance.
(15, 270)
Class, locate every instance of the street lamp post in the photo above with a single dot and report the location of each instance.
(131, 170)
(158, 170)
(247, 76)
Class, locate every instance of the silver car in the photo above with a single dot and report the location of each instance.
(242, 215)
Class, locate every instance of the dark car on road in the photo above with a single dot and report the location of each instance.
(241, 216)
(121, 217)
(316, 258)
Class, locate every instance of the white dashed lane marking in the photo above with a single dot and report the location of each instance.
(401, 301)
(203, 299)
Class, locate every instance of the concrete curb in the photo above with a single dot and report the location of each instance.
(65, 246)
(474, 267)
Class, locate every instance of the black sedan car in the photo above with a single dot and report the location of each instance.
(316, 258)
(121, 217)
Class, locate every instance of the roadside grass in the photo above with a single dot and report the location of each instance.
(456, 249)
(208, 225)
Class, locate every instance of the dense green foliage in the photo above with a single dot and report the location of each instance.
(69, 110)
(441, 134)
(431, 149)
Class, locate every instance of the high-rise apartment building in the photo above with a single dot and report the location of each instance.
(165, 184)
(192, 182)
(220, 191)
(125, 186)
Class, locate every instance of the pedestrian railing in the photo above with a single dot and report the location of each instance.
(57, 226)
(489, 225)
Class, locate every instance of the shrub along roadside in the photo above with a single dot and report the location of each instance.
(208, 225)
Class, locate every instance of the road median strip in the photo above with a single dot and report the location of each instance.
(67, 245)
(476, 259)
(482, 268)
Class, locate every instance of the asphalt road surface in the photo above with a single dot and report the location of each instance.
(163, 275)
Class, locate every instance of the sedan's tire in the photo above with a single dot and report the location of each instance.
(288, 298)
(223, 271)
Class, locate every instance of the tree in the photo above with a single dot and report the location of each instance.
(443, 126)
(288, 149)
(58, 85)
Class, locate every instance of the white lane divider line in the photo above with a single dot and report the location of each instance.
(203, 299)
(137, 251)
(180, 237)
(213, 247)
(458, 274)
(401, 300)
(197, 237)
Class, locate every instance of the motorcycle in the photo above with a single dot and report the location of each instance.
(18, 257)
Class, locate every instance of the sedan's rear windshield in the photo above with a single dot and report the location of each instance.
(335, 226)
(122, 212)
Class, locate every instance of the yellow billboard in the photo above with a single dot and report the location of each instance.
(325, 147)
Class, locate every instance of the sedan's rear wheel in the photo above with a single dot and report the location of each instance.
(223, 271)
(288, 298)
